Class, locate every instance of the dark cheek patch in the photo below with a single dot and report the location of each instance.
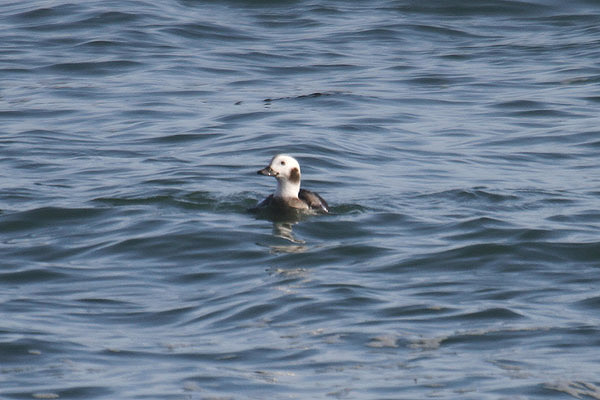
(295, 175)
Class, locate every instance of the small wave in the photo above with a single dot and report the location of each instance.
(93, 68)
(46, 12)
(46, 216)
(304, 96)
(468, 8)
(575, 389)
(246, 117)
(35, 113)
(96, 43)
(184, 138)
(208, 32)
(544, 112)
(592, 303)
(474, 194)
(520, 105)
(112, 17)
(31, 276)
(199, 200)
(497, 313)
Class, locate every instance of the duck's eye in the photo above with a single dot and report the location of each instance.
(282, 163)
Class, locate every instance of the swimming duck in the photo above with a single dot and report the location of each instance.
(288, 193)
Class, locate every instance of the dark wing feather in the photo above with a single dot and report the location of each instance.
(313, 200)
(263, 203)
(266, 201)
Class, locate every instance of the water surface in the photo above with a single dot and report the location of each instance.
(456, 144)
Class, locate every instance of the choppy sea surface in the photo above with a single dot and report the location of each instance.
(457, 143)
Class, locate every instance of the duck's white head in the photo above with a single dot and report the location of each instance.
(287, 172)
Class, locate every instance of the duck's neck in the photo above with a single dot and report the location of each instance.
(287, 189)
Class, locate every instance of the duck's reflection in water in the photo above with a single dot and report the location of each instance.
(283, 220)
(284, 230)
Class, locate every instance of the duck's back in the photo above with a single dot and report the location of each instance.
(313, 200)
(306, 200)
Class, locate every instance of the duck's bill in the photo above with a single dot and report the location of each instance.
(267, 171)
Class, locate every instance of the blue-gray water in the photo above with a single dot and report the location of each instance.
(457, 143)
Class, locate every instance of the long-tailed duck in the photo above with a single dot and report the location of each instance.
(288, 193)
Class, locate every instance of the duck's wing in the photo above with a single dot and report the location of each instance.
(313, 200)
(263, 203)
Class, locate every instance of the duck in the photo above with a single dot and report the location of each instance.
(288, 194)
